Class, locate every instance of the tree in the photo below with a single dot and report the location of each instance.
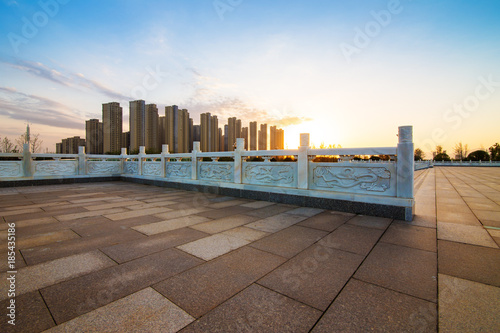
(460, 151)
(34, 141)
(495, 152)
(478, 155)
(442, 157)
(7, 146)
(419, 154)
(439, 150)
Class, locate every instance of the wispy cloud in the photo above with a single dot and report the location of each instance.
(38, 110)
(67, 79)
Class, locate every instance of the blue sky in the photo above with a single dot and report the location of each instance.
(348, 72)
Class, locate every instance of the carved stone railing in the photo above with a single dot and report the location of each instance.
(292, 173)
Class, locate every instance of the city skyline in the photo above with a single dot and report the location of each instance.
(348, 73)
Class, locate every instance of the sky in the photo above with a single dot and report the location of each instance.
(349, 72)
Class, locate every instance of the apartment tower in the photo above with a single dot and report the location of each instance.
(112, 114)
(93, 137)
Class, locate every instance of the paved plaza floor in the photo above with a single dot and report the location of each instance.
(118, 257)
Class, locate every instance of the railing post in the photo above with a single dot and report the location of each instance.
(194, 160)
(27, 162)
(82, 161)
(123, 158)
(164, 153)
(240, 147)
(405, 168)
(142, 152)
(303, 162)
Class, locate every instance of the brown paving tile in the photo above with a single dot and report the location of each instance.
(352, 238)
(224, 212)
(449, 216)
(29, 216)
(36, 221)
(270, 211)
(406, 234)
(85, 214)
(290, 241)
(58, 250)
(31, 314)
(370, 222)
(257, 309)
(364, 307)
(4, 264)
(225, 223)
(156, 243)
(181, 211)
(98, 229)
(315, 276)
(407, 270)
(135, 221)
(470, 262)
(488, 218)
(327, 221)
(226, 204)
(44, 239)
(135, 213)
(202, 288)
(72, 298)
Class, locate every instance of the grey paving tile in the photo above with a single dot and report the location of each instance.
(407, 270)
(315, 276)
(35, 277)
(470, 262)
(213, 246)
(276, 223)
(265, 212)
(220, 213)
(164, 226)
(257, 309)
(73, 298)
(406, 234)
(467, 306)
(353, 239)
(305, 211)
(327, 221)
(290, 241)
(246, 233)
(370, 222)
(116, 204)
(204, 287)
(225, 223)
(364, 307)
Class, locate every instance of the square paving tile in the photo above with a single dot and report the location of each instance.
(315, 276)
(257, 309)
(370, 222)
(353, 239)
(327, 221)
(248, 234)
(214, 246)
(204, 287)
(156, 243)
(169, 225)
(73, 298)
(224, 223)
(467, 306)
(403, 269)
(276, 223)
(142, 311)
(290, 241)
(462, 233)
(470, 262)
(364, 307)
(406, 234)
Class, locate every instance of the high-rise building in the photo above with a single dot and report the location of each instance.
(70, 145)
(137, 124)
(244, 135)
(226, 138)
(263, 137)
(277, 137)
(177, 129)
(234, 132)
(112, 114)
(93, 137)
(209, 140)
(221, 140)
(151, 127)
(253, 135)
(161, 131)
(197, 133)
(126, 140)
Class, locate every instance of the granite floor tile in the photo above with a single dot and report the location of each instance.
(258, 204)
(4, 264)
(204, 287)
(351, 238)
(483, 204)
(35, 277)
(220, 213)
(211, 247)
(99, 229)
(31, 314)
(135, 221)
(142, 311)
(181, 212)
(276, 223)
(53, 251)
(457, 217)
(22, 211)
(29, 216)
(75, 216)
(305, 211)
(327, 221)
(35, 221)
(135, 213)
(290, 241)
(117, 204)
(73, 298)
(406, 234)
(95, 198)
(226, 204)
(488, 218)
(156, 243)
(225, 223)
(468, 234)
(364, 307)
(407, 270)
(470, 262)
(43, 239)
(370, 222)
(169, 225)
(315, 276)
(257, 309)
(467, 306)
(248, 234)
(269, 211)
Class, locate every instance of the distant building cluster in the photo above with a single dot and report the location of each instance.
(176, 128)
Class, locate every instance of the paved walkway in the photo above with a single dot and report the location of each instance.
(116, 257)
